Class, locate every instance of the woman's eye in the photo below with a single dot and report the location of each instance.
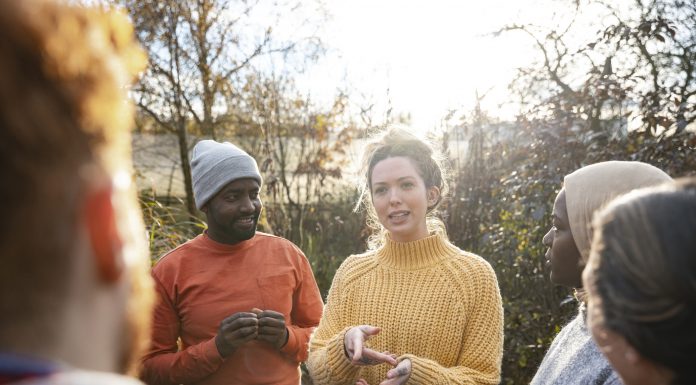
(407, 185)
(380, 190)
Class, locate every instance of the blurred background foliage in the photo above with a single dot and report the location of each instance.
(629, 93)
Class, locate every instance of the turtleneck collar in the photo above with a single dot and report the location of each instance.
(415, 255)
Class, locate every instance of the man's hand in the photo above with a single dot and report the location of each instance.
(235, 331)
(272, 329)
(358, 354)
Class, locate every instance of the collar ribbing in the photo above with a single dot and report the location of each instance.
(415, 255)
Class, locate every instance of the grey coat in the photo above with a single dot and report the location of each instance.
(574, 359)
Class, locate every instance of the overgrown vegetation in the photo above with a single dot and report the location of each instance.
(628, 93)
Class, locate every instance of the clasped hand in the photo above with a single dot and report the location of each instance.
(239, 328)
(359, 355)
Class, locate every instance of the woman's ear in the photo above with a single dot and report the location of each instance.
(433, 196)
(105, 241)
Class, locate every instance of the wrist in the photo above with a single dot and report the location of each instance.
(286, 339)
(223, 348)
(345, 350)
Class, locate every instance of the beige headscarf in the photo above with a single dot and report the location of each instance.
(588, 189)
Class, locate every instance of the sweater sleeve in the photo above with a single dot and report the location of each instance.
(481, 354)
(306, 312)
(327, 362)
(164, 363)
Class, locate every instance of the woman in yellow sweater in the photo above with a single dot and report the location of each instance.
(414, 308)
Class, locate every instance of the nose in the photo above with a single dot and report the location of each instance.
(394, 198)
(247, 206)
(548, 239)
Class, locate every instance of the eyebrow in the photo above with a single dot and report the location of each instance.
(398, 180)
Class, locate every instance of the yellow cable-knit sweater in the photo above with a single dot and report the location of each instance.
(437, 305)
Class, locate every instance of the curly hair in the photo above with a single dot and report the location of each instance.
(399, 142)
(63, 113)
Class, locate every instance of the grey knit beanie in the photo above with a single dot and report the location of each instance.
(214, 165)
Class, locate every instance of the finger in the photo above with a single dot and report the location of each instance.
(273, 322)
(370, 330)
(357, 345)
(378, 357)
(241, 323)
(247, 336)
(267, 338)
(361, 382)
(240, 315)
(271, 331)
(245, 332)
(399, 371)
(271, 314)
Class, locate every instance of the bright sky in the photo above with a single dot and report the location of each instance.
(427, 56)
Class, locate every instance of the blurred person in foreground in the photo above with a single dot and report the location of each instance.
(641, 283)
(242, 303)
(75, 296)
(573, 357)
(415, 308)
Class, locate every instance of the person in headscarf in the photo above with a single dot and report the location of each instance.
(573, 357)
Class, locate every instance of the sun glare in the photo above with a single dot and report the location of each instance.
(424, 58)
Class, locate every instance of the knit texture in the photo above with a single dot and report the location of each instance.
(214, 165)
(574, 359)
(437, 305)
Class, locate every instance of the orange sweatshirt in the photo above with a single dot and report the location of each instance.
(202, 282)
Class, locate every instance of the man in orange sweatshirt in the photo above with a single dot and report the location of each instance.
(243, 304)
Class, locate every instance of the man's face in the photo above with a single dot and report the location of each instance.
(234, 211)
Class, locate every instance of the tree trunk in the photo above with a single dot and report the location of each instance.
(186, 167)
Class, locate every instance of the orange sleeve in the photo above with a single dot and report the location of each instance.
(164, 363)
(307, 307)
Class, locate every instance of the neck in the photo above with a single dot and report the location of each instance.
(92, 333)
(226, 239)
(417, 254)
(73, 338)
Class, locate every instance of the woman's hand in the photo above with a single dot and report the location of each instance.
(359, 355)
(397, 376)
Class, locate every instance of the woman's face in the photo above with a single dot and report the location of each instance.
(562, 257)
(401, 199)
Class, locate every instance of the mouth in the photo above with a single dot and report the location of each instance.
(399, 216)
(245, 221)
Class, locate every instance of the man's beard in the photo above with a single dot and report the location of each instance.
(244, 235)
